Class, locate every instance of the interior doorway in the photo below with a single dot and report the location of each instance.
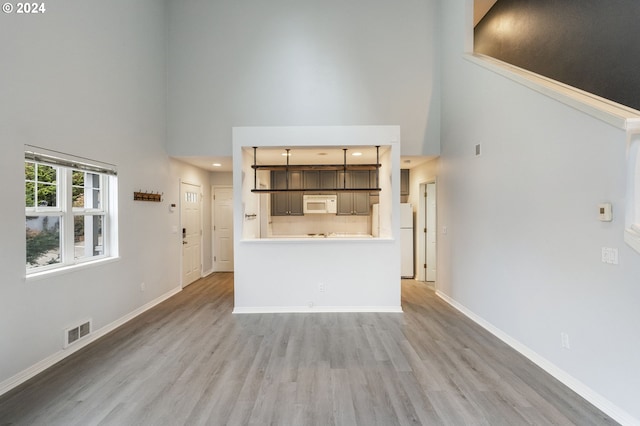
(191, 224)
(426, 253)
(222, 228)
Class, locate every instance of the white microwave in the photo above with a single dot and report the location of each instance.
(326, 204)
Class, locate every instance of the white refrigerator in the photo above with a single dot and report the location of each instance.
(406, 240)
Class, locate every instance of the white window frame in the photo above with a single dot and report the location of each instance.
(632, 222)
(65, 166)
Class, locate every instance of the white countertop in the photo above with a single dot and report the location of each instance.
(319, 236)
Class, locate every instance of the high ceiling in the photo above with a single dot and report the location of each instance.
(480, 8)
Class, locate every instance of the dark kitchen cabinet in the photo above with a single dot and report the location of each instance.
(404, 182)
(328, 179)
(311, 179)
(319, 180)
(354, 179)
(286, 203)
(354, 203)
(374, 182)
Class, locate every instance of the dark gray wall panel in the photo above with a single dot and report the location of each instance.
(593, 45)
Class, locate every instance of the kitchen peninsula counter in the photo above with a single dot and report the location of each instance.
(292, 271)
(330, 236)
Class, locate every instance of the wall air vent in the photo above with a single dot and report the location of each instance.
(75, 333)
(478, 150)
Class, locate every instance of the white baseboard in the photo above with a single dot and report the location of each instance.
(315, 309)
(39, 367)
(606, 406)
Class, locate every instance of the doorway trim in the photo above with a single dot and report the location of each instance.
(201, 251)
(213, 222)
(421, 237)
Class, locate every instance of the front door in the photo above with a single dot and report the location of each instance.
(191, 232)
(223, 229)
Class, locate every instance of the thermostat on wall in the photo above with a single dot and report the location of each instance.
(604, 212)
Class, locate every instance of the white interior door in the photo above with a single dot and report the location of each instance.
(191, 223)
(223, 229)
(430, 245)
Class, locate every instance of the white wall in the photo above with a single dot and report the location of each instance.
(424, 173)
(283, 275)
(319, 224)
(183, 172)
(285, 63)
(85, 78)
(221, 178)
(524, 243)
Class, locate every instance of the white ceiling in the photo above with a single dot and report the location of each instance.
(316, 155)
(207, 163)
(304, 155)
(480, 8)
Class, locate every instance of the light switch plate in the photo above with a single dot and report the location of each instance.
(610, 255)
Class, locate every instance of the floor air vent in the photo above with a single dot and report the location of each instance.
(73, 334)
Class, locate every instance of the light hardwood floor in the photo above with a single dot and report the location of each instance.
(190, 361)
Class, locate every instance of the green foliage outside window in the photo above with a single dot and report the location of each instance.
(40, 185)
(43, 241)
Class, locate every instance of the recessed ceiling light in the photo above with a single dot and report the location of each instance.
(322, 153)
(356, 154)
(217, 165)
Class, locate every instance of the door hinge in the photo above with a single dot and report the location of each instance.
(425, 266)
(214, 258)
(425, 230)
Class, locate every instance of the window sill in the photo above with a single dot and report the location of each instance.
(37, 276)
(610, 112)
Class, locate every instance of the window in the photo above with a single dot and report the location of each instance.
(68, 208)
(632, 232)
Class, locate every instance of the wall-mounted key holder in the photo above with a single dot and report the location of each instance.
(147, 196)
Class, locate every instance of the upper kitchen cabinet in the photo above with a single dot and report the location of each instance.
(354, 179)
(357, 202)
(319, 180)
(404, 182)
(286, 203)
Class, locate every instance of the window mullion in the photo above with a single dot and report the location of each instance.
(67, 216)
(59, 234)
(104, 206)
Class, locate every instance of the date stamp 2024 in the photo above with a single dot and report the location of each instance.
(24, 8)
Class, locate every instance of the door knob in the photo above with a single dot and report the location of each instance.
(184, 242)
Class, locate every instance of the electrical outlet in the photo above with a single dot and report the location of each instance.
(143, 286)
(564, 339)
(322, 288)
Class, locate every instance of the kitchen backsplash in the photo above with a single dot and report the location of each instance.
(319, 224)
